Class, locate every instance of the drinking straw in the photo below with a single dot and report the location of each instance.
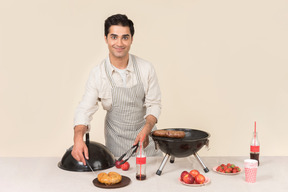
(255, 133)
(141, 145)
(142, 139)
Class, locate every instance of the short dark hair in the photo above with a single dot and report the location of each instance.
(118, 19)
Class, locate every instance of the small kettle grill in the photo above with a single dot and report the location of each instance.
(193, 141)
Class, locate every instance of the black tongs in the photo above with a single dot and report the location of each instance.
(128, 154)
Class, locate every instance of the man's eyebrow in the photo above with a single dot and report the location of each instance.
(125, 35)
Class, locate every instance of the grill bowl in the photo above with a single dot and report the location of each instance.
(193, 141)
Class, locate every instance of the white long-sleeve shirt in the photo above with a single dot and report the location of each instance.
(98, 89)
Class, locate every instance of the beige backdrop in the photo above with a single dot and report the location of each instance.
(221, 66)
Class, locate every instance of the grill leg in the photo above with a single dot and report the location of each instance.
(172, 159)
(164, 161)
(201, 162)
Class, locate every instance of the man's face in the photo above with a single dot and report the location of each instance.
(119, 40)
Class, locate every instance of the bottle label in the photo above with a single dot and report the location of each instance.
(255, 149)
(140, 160)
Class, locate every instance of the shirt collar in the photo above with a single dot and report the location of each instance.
(129, 67)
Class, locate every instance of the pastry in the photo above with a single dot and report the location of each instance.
(109, 179)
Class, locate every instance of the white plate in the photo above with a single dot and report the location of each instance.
(207, 181)
(215, 169)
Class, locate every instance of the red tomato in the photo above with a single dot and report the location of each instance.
(200, 179)
(194, 173)
(125, 166)
(188, 178)
(183, 174)
(117, 164)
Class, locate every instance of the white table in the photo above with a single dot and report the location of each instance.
(43, 174)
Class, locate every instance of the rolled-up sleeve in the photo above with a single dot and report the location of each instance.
(153, 95)
(89, 103)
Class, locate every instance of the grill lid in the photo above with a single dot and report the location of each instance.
(100, 158)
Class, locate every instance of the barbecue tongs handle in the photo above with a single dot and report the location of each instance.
(134, 148)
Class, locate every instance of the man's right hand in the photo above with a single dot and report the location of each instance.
(80, 147)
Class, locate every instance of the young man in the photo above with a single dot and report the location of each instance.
(128, 89)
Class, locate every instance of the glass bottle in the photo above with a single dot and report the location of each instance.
(255, 148)
(141, 163)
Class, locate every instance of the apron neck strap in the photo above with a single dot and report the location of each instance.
(135, 66)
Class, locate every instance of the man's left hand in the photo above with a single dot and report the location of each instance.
(144, 133)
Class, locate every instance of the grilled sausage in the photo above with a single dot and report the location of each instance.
(169, 133)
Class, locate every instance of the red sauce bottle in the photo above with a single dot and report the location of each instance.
(255, 148)
(141, 163)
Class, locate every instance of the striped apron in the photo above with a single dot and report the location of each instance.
(125, 119)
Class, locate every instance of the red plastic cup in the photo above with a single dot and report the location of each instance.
(250, 166)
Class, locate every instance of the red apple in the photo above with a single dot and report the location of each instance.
(200, 179)
(117, 164)
(125, 166)
(183, 174)
(194, 172)
(188, 178)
